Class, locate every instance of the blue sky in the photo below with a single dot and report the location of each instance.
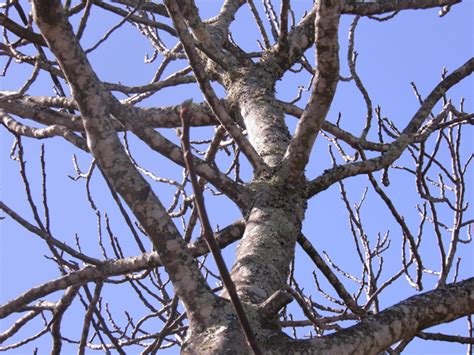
(414, 46)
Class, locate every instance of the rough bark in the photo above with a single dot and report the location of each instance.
(273, 203)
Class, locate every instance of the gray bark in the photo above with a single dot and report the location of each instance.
(273, 204)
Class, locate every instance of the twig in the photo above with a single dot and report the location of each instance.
(209, 236)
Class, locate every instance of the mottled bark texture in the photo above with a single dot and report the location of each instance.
(249, 120)
(94, 103)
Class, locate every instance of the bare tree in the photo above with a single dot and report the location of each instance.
(259, 305)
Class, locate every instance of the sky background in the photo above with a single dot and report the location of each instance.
(414, 46)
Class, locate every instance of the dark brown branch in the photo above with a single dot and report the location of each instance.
(445, 337)
(329, 274)
(20, 31)
(283, 34)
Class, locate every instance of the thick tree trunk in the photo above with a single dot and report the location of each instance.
(254, 95)
(273, 223)
(273, 204)
(267, 247)
(274, 218)
(371, 336)
(224, 336)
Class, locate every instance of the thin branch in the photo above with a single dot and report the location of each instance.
(209, 237)
(125, 266)
(397, 147)
(214, 103)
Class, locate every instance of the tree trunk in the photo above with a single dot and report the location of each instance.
(273, 223)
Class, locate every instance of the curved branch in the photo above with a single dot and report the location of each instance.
(401, 321)
(95, 105)
(325, 83)
(397, 147)
(385, 6)
(42, 133)
(118, 267)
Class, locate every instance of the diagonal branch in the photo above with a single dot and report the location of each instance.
(209, 236)
(94, 103)
(401, 321)
(397, 147)
(117, 267)
(21, 32)
(329, 274)
(325, 82)
(48, 237)
(217, 108)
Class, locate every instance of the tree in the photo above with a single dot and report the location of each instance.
(258, 302)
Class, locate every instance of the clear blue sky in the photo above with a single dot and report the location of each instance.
(414, 46)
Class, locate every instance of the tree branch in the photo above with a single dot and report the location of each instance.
(140, 121)
(401, 321)
(214, 103)
(383, 6)
(325, 82)
(21, 32)
(339, 133)
(397, 147)
(329, 274)
(41, 133)
(279, 59)
(117, 267)
(94, 103)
